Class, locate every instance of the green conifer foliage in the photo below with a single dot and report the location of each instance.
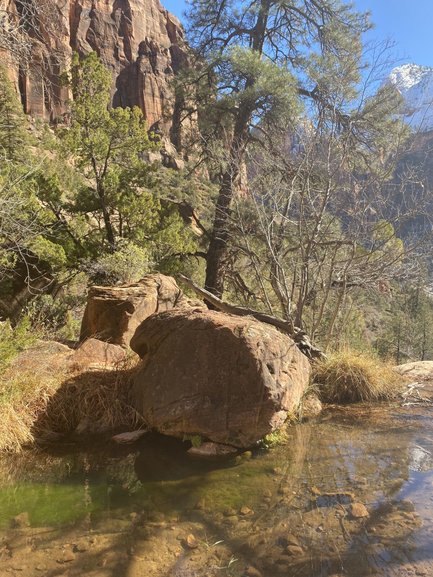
(14, 135)
(105, 143)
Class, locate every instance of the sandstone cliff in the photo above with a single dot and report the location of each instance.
(138, 40)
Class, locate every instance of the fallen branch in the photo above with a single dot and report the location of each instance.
(298, 335)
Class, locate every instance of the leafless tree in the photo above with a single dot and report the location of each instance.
(24, 21)
(324, 216)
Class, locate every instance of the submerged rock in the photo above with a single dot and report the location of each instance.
(229, 379)
(191, 542)
(311, 407)
(358, 511)
(129, 438)
(212, 450)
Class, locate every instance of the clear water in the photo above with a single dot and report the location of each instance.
(154, 512)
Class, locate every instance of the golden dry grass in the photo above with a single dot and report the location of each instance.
(95, 400)
(348, 377)
(23, 398)
(36, 403)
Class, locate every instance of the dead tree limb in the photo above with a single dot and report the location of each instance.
(300, 338)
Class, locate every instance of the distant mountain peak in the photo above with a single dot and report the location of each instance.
(415, 84)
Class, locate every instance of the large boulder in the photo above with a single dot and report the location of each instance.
(420, 370)
(43, 357)
(229, 379)
(113, 313)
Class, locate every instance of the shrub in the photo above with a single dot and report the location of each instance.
(23, 398)
(127, 265)
(13, 340)
(348, 377)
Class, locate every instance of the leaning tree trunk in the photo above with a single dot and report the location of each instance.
(300, 338)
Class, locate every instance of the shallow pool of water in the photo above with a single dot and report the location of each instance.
(296, 510)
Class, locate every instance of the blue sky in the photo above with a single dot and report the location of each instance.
(408, 22)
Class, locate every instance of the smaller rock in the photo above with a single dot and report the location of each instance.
(94, 354)
(129, 438)
(191, 542)
(284, 491)
(200, 505)
(358, 511)
(5, 552)
(292, 540)
(252, 572)
(67, 556)
(246, 511)
(88, 426)
(156, 517)
(294, 550)
(210, 450)
(80, 547)
(20, 521)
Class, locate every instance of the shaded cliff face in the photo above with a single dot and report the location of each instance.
(138, 40)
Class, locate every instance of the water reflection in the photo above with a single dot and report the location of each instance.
(349, 495)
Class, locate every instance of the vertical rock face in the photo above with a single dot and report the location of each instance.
(139, 41)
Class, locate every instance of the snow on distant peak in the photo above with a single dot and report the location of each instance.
(415, 84)
(406, 76)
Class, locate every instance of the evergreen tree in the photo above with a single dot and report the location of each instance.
(107, 145)
(121, 191)
(14, 135)
(265, 56)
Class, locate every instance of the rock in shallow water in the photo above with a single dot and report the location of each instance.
(212, 450)
(229, 379)
(358, 511)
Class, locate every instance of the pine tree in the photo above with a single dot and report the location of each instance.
(14, 135)
(266, 59)
(107, 144)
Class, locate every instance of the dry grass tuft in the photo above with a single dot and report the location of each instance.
(91, 402)
(35, 404)
(349, 377)
(23, 398)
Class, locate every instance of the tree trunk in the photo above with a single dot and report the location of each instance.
(109, 230)
(218, 248)
(300, 338)
(217, 251)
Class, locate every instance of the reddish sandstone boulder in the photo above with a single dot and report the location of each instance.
(94, 354)
(230, 379)
(113, 313)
